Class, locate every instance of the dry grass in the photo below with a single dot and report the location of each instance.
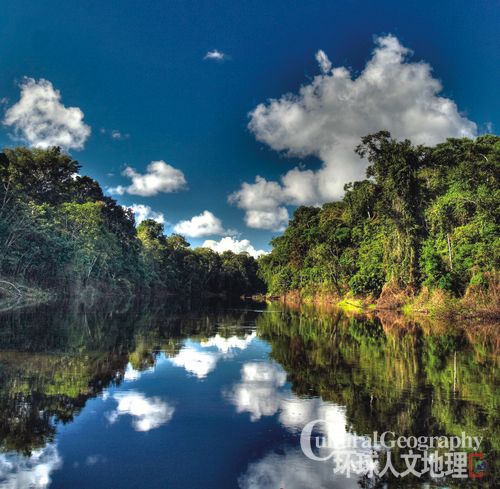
(394, 297)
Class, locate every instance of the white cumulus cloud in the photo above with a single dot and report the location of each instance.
(204, 224)
(262, 204)
(40, 119)
(262, 392)
(160, 177)
(215, 55)
(143, 212)
(327, 119)
(231, 244)
(293, 470)
(131, 373)
(273, 470)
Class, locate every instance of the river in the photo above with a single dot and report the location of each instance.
(177, 396)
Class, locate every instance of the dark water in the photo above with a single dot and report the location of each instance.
(216, 396)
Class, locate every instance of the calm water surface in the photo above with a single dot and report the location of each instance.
(164, 396)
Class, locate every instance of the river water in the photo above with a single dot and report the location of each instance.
(148, 395)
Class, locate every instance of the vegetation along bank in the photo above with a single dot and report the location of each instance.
(420, 233)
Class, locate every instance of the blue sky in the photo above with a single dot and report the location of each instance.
(140, 68)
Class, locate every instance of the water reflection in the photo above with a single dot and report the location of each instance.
(388, 373)
(225, 392)
(262, 392)
(148, 412)
(290, 469)
(199, 358)
(33, 471)
(258, 392)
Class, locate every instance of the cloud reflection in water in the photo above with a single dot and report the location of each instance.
(200, 358)
(148, 412)
(262, 392)
(34, 472)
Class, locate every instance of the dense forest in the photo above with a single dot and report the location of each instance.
(425, 219)
(59, 231)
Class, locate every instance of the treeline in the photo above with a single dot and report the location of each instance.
(59, 230)
(424, 219)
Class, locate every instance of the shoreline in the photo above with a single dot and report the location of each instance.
(429, 304)
(435, 304)
(18, 295)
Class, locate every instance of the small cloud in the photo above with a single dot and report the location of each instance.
(199, 358)
(34, 471)
(204, 224)
(4, 101)
(259, 392)
(195, 362)
(114, 134)
(131, 373)
(160, 177)
(324, 63)
(143, 212)
(215, 55)
(227, 346)
(118, 190)
(117, 135)
(95, 459)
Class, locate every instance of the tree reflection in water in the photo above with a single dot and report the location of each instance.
(383, 373)
(393, 374)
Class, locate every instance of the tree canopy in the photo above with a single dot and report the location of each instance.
(58, 229)
(423, 217)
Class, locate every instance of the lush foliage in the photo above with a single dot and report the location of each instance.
(58, 229)
(423, 217)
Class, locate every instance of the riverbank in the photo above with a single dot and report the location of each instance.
(15, 294)
(476, 304)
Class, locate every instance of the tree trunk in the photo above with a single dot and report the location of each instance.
(449, 250)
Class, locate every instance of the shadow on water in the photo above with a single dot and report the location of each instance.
(412, 378)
